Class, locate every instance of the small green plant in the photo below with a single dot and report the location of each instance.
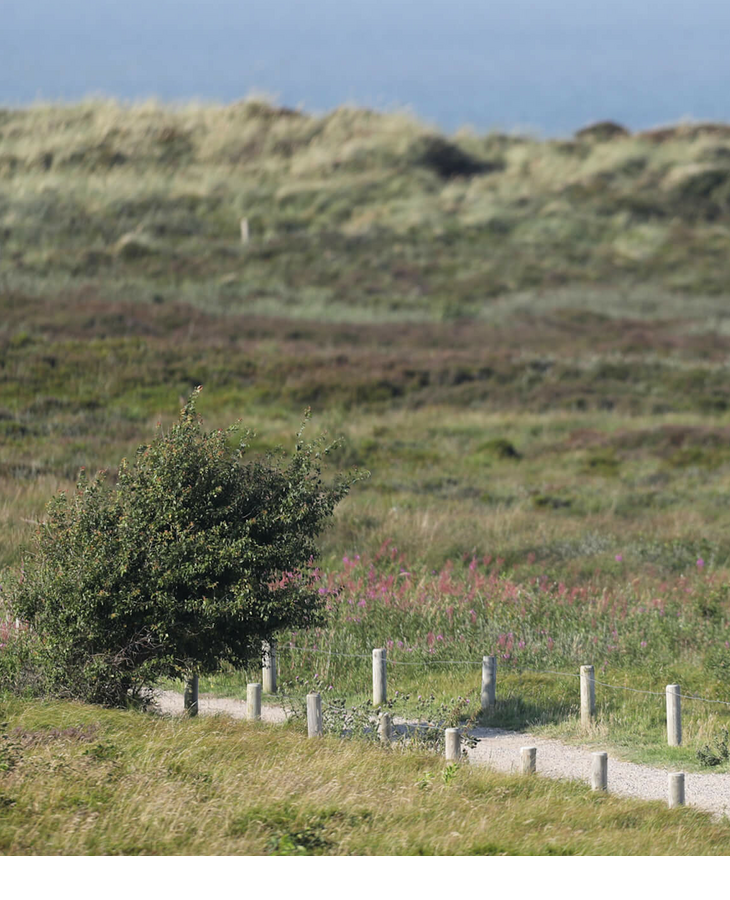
(449, 774)
(426, 783)
(102, 750)
(189, 563)
(303, 842)
(718, 754)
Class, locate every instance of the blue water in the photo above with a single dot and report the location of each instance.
(547, 65)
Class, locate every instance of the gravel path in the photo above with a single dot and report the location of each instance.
(500, 749)
(170, 703)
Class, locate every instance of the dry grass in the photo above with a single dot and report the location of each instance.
(137, 785)
(354, 215)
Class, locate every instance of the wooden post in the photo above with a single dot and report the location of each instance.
(244, 231)
(380, 693)
(674, 716)
(253, 701)
(489, 682)
(528, 756)
(587, 696)
(599, 772)
(385, 727)
(452, 744)
(268, 667)
(314, 715)
(676, 789)
(190, 696)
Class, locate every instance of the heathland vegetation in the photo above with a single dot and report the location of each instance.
(524, 341)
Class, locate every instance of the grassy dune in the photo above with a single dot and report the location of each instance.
(353, 216)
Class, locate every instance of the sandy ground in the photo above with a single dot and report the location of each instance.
(170, 703)
(500, 749)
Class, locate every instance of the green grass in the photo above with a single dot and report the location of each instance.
(79, 780)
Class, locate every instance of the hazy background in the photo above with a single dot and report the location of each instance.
(551, 65)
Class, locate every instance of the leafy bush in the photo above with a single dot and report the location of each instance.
(191, 561)
(717, 755)
(448, 160)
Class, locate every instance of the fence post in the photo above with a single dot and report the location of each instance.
(244, 231)
(268, 667)
(380, 693)
(314, 715)
(676, 789)
(489, 682)
(674, 716)
(385, 728)
(587, 695)
(253, 701)
(528, 756)
(599, 772)
(452, 744)
(190, 696)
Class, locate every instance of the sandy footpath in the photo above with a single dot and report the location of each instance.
(500, 749)
(170, 703)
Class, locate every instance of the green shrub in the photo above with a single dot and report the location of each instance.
(715, 755)
(191, 561)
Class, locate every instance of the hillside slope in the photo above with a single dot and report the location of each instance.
(353, 215)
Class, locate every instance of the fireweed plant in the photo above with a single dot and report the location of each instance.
(443, 619)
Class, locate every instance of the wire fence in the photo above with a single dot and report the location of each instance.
(479, 663)
(450, 738)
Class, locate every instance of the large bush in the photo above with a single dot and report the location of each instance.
(190, 561)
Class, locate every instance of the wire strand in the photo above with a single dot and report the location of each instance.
(468, 662)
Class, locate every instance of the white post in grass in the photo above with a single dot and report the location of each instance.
(244, 231)
(380, 693)
(385, 728)
(314, 715)
(599, 771)
(489, 682)
(268, 668)
(452, 744)
(674, 716)
(190, 696)
(528, 756)
(676, 789)
(587, 695)
(253, 701)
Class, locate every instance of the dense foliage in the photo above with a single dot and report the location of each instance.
(192, 560)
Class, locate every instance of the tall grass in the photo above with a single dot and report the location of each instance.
(79, 780)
